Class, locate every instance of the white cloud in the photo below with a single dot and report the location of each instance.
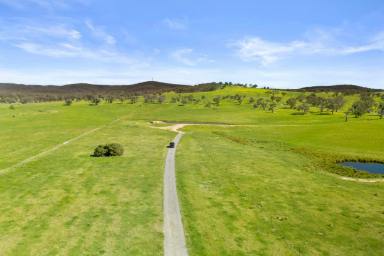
(100, 33)
(45, 4)
(59, 40)
(54, 31)
(187, 57)
(267, 52)
(183, 56)
(175, 24)
(67, 50)
(10, 31)
(376, 43)
(54, 51)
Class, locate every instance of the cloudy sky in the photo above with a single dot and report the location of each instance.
(272, 43)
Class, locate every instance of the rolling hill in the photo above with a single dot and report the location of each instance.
(147, 87)
(338, 88)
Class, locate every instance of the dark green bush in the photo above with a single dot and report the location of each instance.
(115, 149)
(107, 150)
(100, 151)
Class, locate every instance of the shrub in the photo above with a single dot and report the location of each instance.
(100, 151)
(115, 149)
(107, 150)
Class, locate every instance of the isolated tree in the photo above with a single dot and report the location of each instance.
(109, 99)
(147, 98)
(216, 100)
(183, 102)
(359, 108)
(95, 101)
(161, 99)
(322, 103)
(368, 101)
(196, 101)
(260, 102)
(300, 98)
(336, 103)
(272, 106)
(313, 100)
(303, 107)
(275, 98)
(68, 102)
(339, 102)
(380, 109)
(346, 113)
(208, 104)
(264, 104)
(133, 99)
(291, 102)
(25, 100)
(189, 98)
(238, 98)
(12, 107)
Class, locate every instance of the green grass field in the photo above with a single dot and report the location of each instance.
(270, 187)
(249, 192)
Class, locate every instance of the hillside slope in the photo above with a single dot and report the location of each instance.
(338, 88)
(81, 89)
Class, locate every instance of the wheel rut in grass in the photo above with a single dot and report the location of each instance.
(50, 150)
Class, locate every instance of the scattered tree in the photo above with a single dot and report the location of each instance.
(336, 103)
(303, 107)
(109, 99)
(272, 107)
(161, 99)
(346, 113)
(68, 102)
(359, 108)
(216, 100)
(380, 110)
(95, 101)
(291, 102)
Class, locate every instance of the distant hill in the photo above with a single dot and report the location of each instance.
(338, 88)
(84, 89)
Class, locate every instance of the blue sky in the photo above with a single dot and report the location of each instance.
(272, 43)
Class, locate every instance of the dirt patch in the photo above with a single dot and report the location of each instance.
(362, 180)
(174, 127)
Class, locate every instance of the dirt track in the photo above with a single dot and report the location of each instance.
(174, 240)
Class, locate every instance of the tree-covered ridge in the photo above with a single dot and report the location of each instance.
(12, 93)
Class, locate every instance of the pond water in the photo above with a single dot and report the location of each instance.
(368, 167)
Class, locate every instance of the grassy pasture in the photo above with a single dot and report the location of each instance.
(247, 191)
(267, 188)
(68, 203)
